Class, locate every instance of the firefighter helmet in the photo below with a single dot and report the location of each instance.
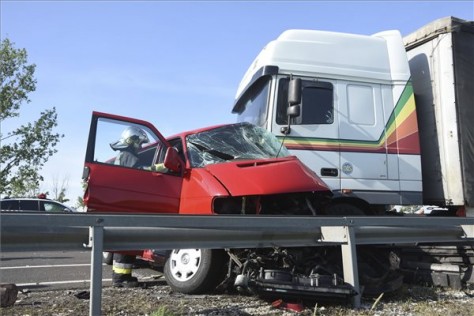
(132, 137)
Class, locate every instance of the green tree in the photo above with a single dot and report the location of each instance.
(80, 200)
(60, 189)
(25, 149)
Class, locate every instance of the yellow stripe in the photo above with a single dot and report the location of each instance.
(407, 110)
(121, 270)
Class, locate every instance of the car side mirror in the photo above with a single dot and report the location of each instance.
(172, 161)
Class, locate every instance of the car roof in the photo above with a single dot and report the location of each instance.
(29, 199)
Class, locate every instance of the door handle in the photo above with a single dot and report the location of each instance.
(329, 172)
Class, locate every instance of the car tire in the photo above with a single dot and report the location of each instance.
(194, 271)
(108, 257)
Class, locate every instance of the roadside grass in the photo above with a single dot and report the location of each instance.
(159, 300)
(163, 311)
(407, 301)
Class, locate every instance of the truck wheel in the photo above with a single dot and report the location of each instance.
(341, 209)
(108, 258)
(194, 271)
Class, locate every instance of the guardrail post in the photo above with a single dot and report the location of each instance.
(349, 262)
(468, 231)
(345, 236)
(96, 240)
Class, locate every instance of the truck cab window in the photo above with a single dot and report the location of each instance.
(254, 105)
(317, 105)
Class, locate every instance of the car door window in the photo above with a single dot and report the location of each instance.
(52, 207)
(27, 205)
(12, 205)
(125, 144)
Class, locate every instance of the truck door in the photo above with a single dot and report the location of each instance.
(314, 135)
(339, 132)
(124, 168)
(363, 162)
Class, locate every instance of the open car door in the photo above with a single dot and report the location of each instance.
(151, 184)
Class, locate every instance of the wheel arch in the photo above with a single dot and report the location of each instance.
(361, 204)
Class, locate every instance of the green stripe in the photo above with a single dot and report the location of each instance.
(402, 101)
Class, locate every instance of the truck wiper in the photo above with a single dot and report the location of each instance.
(213, 152)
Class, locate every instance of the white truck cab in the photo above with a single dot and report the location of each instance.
(356, 126)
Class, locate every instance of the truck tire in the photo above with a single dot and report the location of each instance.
(108, 257)
(194, 271)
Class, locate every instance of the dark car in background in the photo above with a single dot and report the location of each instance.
(33, 205)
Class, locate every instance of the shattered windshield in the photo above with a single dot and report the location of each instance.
(231, 142)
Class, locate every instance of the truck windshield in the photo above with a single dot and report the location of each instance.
(254, 102)
(231, 142)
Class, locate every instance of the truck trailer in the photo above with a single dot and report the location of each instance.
(383, 120)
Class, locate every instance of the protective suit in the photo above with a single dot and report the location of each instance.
(130, 142)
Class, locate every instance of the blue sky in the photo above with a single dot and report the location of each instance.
(176, 64)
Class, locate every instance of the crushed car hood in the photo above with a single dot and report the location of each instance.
(268, 176)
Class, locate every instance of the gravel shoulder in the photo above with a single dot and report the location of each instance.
(156, 298)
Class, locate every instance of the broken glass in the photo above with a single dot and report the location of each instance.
(233, 142)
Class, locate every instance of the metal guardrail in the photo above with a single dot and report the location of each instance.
(33, 231)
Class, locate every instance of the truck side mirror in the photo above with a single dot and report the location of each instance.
(294, 100)
(294, 91)
(172, 160)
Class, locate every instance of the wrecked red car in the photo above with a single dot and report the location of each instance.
(226, 169)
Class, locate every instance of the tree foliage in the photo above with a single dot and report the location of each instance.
(60, 189)
(24, 149)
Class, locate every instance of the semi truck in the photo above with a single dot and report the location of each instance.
(382, 119)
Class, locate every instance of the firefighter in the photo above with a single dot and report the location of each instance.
(130, 142)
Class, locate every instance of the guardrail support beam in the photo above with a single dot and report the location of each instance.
(25, 232)
(468, 230)
(96, 241)
(349, 262)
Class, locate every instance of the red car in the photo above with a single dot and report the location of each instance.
(228, 169)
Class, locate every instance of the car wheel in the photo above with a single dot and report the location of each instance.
(108, 258)
(194, 271)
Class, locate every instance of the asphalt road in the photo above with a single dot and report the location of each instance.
(49, 270)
